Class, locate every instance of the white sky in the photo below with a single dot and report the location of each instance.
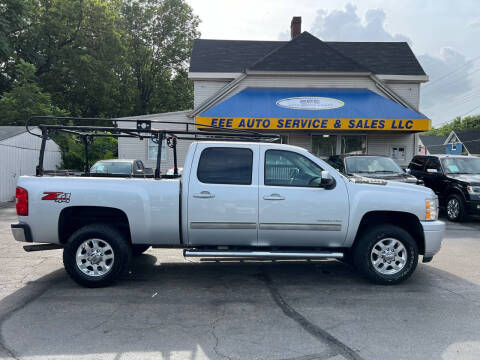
(443, 34)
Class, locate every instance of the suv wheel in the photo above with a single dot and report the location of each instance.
(96, 255)
(455, 208)
(386, 254)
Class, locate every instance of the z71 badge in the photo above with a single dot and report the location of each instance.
(59, 197)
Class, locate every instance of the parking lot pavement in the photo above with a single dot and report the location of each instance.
(171, 308)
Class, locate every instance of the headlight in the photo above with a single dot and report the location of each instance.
(431, 209)
(473, 190)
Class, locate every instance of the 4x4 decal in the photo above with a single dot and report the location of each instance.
(57, 196)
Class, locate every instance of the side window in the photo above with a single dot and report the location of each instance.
(225, 166)
(433, 164)
(417, 163)
(287, 168)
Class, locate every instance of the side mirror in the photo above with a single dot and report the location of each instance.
(408, 171)
(327, 182)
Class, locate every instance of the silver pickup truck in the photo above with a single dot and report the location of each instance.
(234, 200)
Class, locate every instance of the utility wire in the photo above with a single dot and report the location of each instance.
(24, 148)
(451, 72)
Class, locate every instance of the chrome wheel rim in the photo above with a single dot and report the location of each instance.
(95, 257)
(388, 256)
(453, 208)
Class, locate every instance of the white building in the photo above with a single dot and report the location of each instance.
(19, 152)
(328, 97)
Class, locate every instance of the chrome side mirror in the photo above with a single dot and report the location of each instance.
(408, 171)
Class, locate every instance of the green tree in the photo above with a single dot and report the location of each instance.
(26, 98)
(159, 36)
(13, 19)
(468, 122)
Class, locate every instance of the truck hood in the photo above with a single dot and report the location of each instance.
(401, 177)
(472, 179)
(394, 186)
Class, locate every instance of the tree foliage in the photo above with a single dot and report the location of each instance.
(466, 123)
(94, 58)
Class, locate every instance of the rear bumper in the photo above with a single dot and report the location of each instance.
(21, 232)
(433, 232)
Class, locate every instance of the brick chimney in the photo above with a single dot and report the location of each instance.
(295, 27)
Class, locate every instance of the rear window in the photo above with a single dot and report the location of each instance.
(225, 166)
(114, 167)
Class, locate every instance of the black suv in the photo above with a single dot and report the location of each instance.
(371, 166)
(454, 178)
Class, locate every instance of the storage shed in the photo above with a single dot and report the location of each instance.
(19, 153)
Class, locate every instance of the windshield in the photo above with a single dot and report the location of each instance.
(469, 165)
(371, 164)
(113, 167)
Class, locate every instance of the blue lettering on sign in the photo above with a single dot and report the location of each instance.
(241, 123)
(280, 123)
(409, 124)
(316, 123)
(381, 124)
(324, 123)
(214, 121)
(288, 123)
(351, 124)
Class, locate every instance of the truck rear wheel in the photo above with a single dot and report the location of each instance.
(96, 255)
(386, 254)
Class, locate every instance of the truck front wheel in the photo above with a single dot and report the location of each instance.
(96, 255)
(386, 254)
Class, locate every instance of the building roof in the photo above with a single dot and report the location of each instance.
(386, 58)
(11, 131)
(434, 144)
(470, 139)
(307, 53)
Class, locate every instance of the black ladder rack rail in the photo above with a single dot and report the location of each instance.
(143, 130)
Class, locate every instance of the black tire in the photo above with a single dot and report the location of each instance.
(122, 252)
(363, 260)
(456, 215)
(139, 249)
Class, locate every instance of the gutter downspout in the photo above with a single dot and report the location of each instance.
(219, 95)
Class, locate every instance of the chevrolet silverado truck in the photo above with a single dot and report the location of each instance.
(234, 200)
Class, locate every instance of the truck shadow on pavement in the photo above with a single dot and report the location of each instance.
(250, 310)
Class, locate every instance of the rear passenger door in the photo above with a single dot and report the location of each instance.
(223, 195)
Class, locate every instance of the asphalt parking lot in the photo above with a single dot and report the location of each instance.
(173, 308)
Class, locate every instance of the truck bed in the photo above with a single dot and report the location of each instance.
(151, 206)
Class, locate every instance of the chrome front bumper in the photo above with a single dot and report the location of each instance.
(433, 232)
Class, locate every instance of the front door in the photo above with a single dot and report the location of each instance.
(294, 210)
(223, 195)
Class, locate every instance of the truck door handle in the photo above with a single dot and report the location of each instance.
(204, 195)
(274, 197)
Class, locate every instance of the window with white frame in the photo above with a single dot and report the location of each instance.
(353, 144)
(153, 150)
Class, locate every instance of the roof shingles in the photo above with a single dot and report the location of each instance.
(304, 53)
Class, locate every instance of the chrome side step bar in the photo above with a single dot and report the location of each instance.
(262, 254)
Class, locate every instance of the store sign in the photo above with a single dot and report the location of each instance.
(310, 103)
(313, 123)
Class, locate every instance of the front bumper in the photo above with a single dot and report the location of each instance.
(474, 207)
(433, 232)
(21, 232)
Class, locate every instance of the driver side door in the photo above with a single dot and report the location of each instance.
(293, 209)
